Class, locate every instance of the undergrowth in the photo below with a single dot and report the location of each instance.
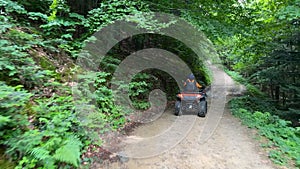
(256, 111)
(284, 140)
(39, 123)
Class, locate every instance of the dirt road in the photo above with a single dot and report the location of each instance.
(218, 141)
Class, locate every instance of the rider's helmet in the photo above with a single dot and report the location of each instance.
(191, 76)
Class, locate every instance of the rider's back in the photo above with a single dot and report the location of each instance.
(190, 86)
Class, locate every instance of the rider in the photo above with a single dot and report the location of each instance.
(190, 84)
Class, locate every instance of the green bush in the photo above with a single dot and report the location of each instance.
(18, 66)
(93, 92)
(13, 117)
(285, 140)
(52, 137)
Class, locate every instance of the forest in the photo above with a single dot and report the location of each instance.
(257, 42)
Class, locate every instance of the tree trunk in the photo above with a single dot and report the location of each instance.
(277, 93)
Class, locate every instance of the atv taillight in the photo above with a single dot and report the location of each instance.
(180, 96)
(198, 96)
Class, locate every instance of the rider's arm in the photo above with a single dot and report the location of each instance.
(198, 85)
(184, 83)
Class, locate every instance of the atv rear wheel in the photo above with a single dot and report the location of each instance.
(178, 111)
(203, 109)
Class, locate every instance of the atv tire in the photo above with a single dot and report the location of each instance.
(178, 111)
(203, 109)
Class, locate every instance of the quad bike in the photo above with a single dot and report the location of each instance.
(192, 102)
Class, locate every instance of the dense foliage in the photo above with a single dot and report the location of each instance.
(267, 53)
(258, 42)
(38, 120)
(283, 140)
(258, 39)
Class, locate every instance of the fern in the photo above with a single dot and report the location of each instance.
(69, 152)
(4, 120)
(40, 153)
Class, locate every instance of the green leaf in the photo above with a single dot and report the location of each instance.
(37, 16)
(69, 152)
(4, 120)
(40, 153)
